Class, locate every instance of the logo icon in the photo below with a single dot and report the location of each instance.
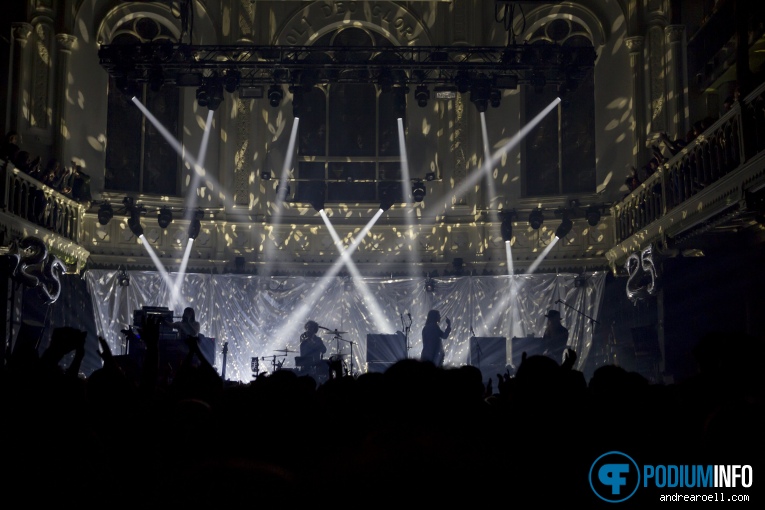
(614, 477)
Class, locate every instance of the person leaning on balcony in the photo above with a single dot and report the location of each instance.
(53, 174)
(10, 146)
(633, 180)
(80, 185)
(24, 162)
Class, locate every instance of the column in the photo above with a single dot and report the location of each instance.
(21, 33)
(674, 37)
(637, 63)
(65, 42)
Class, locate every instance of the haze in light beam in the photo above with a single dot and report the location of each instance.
(270, 248)
(160, 267)
(477, 174)
(534, 265)
(509, 255)
(412, 252)
(489, 177)
(176, 294)
(374, 306)
(514, 288)
(210, 181)
(298, 318)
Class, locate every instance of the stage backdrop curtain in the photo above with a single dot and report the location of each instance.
(263, 317)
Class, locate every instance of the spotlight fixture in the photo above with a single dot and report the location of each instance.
(422, 95)
(593, 215)
(479, 94)
(399, 101)
(430, 285)
(203, 98)
(127, 86)
(538, 81)
(231, 80)
(536, 218)
(210, 93)
(298, 92)
(122, 278)
(164, 217)
(275, 95)
(462, 80)
(418, 190)
(430, 176)
(134, 222)
(386, 201)
(105, 213)
(215, 91)
(506, 227)
(195, 226)
(495, 98)
(348, 285)
(565, 226)
(317, 198)
(265, 175)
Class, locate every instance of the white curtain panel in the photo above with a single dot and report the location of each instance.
(263, 317)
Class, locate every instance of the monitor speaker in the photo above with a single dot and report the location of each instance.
(386, 348)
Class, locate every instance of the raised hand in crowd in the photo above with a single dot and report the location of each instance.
(63, 341)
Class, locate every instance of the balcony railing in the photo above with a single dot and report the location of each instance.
(726, 147)
(32, 208)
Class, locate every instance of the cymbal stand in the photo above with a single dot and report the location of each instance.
(351, 342)
(407, 328)
(275, 365)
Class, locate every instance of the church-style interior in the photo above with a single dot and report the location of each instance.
(360, 164)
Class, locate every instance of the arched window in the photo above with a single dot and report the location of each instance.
(558, 155)
(348, 132)
(138, 158)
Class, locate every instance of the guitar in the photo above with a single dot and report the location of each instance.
(225, 352)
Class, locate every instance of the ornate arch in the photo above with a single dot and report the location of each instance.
(125, 13)
(392, 21)
(596, 25)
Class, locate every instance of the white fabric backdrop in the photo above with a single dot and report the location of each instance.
(257, 316)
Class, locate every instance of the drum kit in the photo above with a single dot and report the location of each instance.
(331, 368)
(276, 363)
(337, 365)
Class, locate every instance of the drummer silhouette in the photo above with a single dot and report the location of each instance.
(312, 351)
(312, 347)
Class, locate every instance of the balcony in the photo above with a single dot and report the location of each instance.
(29, 208)
(711, 184)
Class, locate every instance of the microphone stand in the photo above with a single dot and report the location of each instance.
(593, 321)
(406, 327)
(351, 342)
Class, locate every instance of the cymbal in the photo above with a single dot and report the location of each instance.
(285, 351)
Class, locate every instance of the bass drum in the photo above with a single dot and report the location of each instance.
(337, 366)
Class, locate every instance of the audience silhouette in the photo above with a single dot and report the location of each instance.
(415, 433)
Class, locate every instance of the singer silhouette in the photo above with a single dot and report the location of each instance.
(555, 336)
(432, 338)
